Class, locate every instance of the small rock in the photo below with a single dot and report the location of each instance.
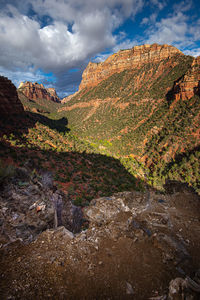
(64, 232)
(176, 288)
(52, 259)
(161, 201)
(129, 289)
(32, 206)
(41, 207)
(82, 237)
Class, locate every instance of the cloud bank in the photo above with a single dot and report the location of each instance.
(79, 29)
(42, 37)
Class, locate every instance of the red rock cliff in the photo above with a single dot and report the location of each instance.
(189, 84)
(36, 91)
(9, 102)
(125, 59)
(53, 93)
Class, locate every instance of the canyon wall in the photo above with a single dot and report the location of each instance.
(9, 102)
(35, 91)
(189, 85)
(125, 59)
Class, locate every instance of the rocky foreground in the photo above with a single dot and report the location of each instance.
(137, 246)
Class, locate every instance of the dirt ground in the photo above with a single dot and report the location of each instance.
(135, 245)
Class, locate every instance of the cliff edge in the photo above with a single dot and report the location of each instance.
(126, 59)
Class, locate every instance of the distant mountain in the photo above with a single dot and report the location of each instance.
(38, 99)
(142, 103)
(36, 91)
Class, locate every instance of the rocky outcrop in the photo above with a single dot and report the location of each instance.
(137, 246)
(35, 91)
(125, 59)
(9, 102)
(53, 93)
(30, 203)
(189, 84)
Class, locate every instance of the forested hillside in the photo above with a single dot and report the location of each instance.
(147, 115)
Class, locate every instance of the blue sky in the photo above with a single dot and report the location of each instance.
(52, 41)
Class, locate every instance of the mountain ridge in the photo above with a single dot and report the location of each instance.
(125, 59)
(35, 91)
(150, 113)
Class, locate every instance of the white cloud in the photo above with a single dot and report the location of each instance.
(172, 30)
(101, 57)
(76, 31)
(158, 3)
(149, 20)
(72, 10)
(18, 36)
(127, 44)
(53, 47)
(180, 27)
(79, 30)
(193, 52)
(19, 76)
(183, 6)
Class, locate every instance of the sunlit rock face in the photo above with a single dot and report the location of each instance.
(126, 59)
(35, 91)
(189, 84)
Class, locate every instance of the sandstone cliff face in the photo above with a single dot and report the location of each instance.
(68, 98)
(9, 102)
(126, 59)
(36, 91)
(189, 84)
(53, 93)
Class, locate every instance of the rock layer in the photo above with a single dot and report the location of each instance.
(125, 59)
(9, 102)
(189, 84)
(35, 91)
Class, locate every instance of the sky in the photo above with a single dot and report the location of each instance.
(52, 41)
